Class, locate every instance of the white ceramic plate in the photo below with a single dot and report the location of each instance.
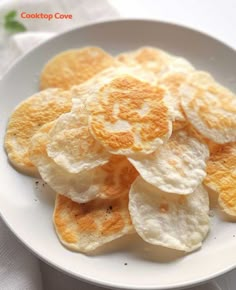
(27, 208)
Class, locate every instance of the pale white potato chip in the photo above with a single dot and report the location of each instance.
(85, 227)
(71, 144)
(80, 187)
(179, 65)
(167, 219)
(110, 180)
(129, 116)
(209, 107)
(178, 166)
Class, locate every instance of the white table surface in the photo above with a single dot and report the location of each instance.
(215, 17)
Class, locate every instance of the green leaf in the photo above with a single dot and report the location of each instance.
(11, 24)
(11, 15)
(14, 26)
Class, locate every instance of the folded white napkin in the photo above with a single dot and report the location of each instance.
(19, 269)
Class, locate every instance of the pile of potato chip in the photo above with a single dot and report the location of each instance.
(129, 144)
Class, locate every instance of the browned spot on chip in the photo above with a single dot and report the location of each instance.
(129, 116)
(164, 207)
(113, 225)
(61, 220)
(182, 200)
(119, 175)
(115, 140)
(84, 227)
(86, 223)
(74, 67)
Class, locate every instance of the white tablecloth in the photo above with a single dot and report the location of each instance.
(18, 268)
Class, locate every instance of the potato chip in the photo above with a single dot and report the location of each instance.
(87, 226)
(71, 144)
(221, 176)
(108, 181)
(209, 107)
(173, 81)
(27, 118)
(177, 167)
(150, 58)
(155, 60)
(174, 221)
(128, 116)
(193, 132)
(179, 65)
(73, 67)
(79, 187)
(201, 79)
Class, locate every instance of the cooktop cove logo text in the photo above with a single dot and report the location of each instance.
(46, 16)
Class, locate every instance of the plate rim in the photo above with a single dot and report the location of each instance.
(92, 280)
(124, 19)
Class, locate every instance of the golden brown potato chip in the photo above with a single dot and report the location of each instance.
(129, 116)
(73, 67)
(84, 227)
(221, 176)
(149, 58)
(209, 107)
(28, 117)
